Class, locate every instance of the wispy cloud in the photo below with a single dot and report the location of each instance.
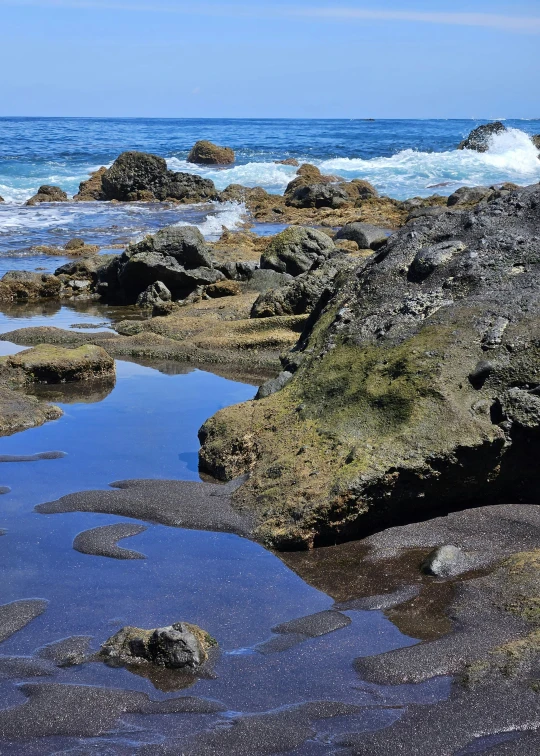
(527, 24)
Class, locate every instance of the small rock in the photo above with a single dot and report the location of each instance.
(223, 289)
(364, 234)
(297, 250)
(178, 646)
(155, 294)
(274, 384)
(445, 561)
(289, 161)
(76, 243)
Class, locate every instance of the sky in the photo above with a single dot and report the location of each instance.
(270, 58)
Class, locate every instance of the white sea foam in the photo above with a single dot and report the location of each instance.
(511, 157)
(232, 215)
(271, 176)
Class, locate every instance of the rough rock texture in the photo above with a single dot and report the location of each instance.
(480, 137)
(297, 250)
(179, 646)
(155, 294)
(312, 189)
(178, 257)
(19, 412)
(364, 234)
(207, 153)
(91, 190)
(301, 294)
(288, 161)
(223, 289)
(22, 285)
(445, 561)
(415, 390)
(47, 194)
(470, 196)
(141, 176)
(52, 364)
(536, 140)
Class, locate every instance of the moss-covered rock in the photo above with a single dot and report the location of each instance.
(387, 416)
(297, 250)
(53, 364)
(207, 153)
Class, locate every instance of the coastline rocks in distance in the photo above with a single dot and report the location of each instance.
(288, 161)
(47, 193)
(140, 176)
(177, 256)
(178, 646)
(480, 137)
(208, 153)
(297, 250)
(391, 412)
(53, 364)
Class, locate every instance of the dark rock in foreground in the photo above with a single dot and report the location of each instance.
(207, 153)
(480, 137)
(415, 387)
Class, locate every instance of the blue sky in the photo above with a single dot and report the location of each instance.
(303, 58)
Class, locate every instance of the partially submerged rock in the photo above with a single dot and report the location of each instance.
(445, 561)
(178, 646)
(479, 139)
(91, 190)
(207, 153)
(47, 194)
(383, 420)
(53, 364)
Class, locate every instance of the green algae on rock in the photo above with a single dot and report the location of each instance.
(384, 420)
(52, 364)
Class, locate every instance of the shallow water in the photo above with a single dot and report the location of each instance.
(146, 427)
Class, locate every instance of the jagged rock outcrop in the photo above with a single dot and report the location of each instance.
(91, 190)
(176, 256)
(139, 176)
(301, 294)
(156, 294)
(312, 189)
(208, 153)
(47, 193)
(415, 388)
(297, 250)
(480, 137)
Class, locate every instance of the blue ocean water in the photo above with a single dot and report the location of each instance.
(402, 158)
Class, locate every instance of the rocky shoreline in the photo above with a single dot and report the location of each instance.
(389, 459)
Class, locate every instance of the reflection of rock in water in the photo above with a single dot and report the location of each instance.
(230, 372)
(86, 392)
(43, 309)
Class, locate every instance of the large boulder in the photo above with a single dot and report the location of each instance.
(416, 386)
(141, 176)
(179, 646)
(480, 138)
(208, 153)
(176, 256)
(318, 195)
(536, 141)
(47, 194)
(297, 250)
(54, 364)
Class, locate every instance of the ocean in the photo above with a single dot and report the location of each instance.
(402, 158)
